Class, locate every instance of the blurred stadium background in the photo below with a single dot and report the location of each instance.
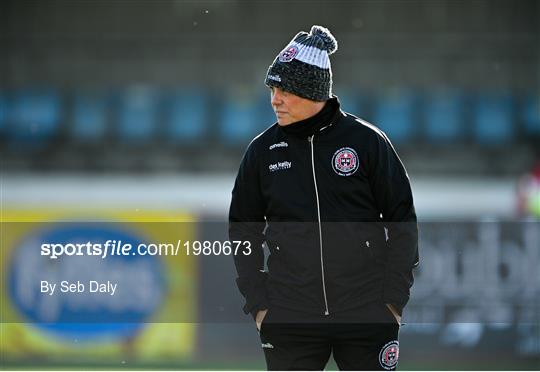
(140, 111)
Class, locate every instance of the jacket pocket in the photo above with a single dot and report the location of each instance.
(273, 235)
(375, 244)
(369, 249)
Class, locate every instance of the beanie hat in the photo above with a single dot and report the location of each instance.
(303, 67)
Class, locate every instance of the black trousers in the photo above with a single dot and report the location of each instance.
(364, 339)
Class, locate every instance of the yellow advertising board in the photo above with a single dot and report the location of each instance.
(66, 306)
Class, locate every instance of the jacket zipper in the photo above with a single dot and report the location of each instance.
(310, 139)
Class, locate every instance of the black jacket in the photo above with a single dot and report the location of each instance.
(332, 200)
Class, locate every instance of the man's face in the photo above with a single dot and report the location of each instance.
(290, 108)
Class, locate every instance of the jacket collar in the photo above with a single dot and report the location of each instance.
(320, 122)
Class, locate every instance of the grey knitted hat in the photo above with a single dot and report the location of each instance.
(303, 67)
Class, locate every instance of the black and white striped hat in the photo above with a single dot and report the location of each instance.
(303, 67)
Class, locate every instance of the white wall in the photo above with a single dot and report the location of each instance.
(210, 194)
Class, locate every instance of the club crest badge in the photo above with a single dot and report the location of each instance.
(345, 161)
(388, 357)
(288, 54)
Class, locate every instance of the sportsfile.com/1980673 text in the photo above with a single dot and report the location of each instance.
(119, 248)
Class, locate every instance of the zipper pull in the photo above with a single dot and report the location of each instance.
(310, 138)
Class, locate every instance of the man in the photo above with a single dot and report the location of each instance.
(328, 195)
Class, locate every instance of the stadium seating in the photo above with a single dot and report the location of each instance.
(3, 112)
(350, 102)
(89, 118)
(137, 116)
(493, 122)
(239, 121)
(186, 118)
(531, 115)
(357, 104)
(444, 117)
(265, 112)
(33, 117)
(190, 118)
(394, 114)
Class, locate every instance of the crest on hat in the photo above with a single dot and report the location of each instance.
(288, 54)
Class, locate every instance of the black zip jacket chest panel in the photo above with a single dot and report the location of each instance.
(321, 195)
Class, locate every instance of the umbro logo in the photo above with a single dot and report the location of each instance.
(267, 345)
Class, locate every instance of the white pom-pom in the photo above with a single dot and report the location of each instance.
(330, 42)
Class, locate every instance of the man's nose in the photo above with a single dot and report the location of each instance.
(276, 98)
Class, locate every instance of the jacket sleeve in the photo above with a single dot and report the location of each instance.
(246, 224)
(392, 191)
